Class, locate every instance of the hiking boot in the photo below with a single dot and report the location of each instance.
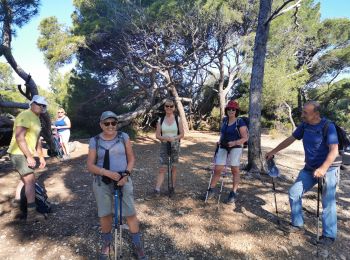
(296, 229)
(139, 252)
(172, 191)
(231, 197)
(34, 216)
(156, 193)
(326, 241)
(105, 253)
(211, 193)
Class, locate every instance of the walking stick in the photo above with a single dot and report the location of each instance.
(170, 173)
(319, 191)
(273, 172)
(274, 193)
(117, 199)
(211, 174)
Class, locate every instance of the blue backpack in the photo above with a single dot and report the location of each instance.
(43, 206)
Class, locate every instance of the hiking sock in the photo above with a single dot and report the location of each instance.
(31, 205)
(136, 239)
(106, 238)
(106, 241)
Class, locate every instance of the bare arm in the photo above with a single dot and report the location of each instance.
(129, 155)
(40, 153)
(243, 131)
(181, 130)
(333, 152)
(284, 144)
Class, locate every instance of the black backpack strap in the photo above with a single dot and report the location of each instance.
(177, 124)
(325, 129)
(161, 122)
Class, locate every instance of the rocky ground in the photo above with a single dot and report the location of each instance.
(183, 227)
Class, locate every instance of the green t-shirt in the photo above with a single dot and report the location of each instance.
(30, 121)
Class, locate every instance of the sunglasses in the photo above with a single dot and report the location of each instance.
(231, 109)
(167, 106)
(40, 105)
(114, 123)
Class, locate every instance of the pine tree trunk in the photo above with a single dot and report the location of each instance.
(256, 85)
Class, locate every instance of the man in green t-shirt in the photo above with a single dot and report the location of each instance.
(24, 144)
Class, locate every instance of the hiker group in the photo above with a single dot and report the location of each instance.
(111, 161)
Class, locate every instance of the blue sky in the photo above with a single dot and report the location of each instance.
(31, 59)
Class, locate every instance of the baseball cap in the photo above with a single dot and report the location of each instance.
(108, 114)
(38, 99)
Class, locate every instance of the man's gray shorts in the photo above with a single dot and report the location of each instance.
(104, 195)
(20, 163)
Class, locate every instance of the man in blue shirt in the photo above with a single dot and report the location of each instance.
(320, 149)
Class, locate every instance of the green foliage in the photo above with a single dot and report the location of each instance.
(8, 89)
(335, 101)
(56, 42)
(214, 119)
(17, 13)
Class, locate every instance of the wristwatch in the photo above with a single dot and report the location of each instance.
(127, 172)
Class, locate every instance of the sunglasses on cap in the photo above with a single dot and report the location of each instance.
(114, 123)
(169, 106)
(40, 105)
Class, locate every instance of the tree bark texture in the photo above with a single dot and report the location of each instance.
(256, 85)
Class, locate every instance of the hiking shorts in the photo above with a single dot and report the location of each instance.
(19, 162)
(164, 158)
(232, 159)
(104, 195)
(64, 136)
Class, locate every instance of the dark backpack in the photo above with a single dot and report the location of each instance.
(246, 121)
(43, 206)
(177, 124)
(57, 148)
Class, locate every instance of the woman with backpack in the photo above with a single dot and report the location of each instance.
(169, 131)
(62, 126)
(233, 134)
(111, 159)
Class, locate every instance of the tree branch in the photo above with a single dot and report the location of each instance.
(279, 10)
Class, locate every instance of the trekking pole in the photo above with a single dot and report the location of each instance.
(223, 176)
(170, 175)
(319, 190)
(117, 199)
(212, 173)
(120, 222)
(273, 172)
(274, 193)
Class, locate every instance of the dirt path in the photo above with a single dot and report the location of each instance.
(180, 228)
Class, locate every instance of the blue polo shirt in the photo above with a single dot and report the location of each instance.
(316, 143)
